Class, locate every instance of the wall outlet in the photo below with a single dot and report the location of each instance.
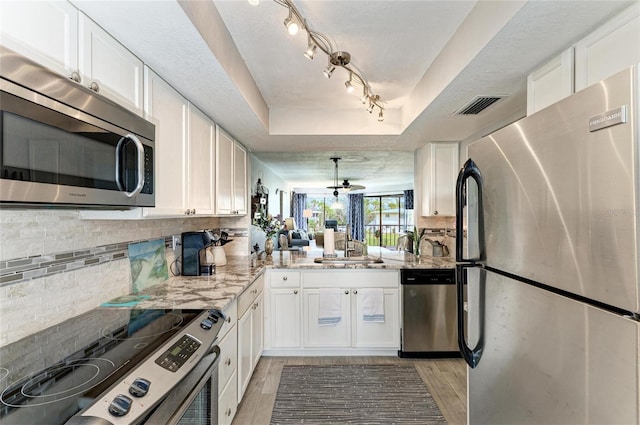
(176, 242)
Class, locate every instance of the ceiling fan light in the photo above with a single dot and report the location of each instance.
(311, 51)
(329, 70)
(336, 205)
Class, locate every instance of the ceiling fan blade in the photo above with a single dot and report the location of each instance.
(356, 187)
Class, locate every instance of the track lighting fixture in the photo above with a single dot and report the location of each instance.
(316, 40)
(291, 23)
(380, 116)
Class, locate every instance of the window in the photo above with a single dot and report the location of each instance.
(385, 219)
(321, 207)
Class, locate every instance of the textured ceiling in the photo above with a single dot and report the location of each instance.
(425, 58)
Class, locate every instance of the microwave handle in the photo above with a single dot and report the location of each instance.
(140, 150)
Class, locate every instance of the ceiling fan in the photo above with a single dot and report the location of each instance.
(345, 183)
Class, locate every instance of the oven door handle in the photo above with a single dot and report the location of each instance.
(172, 408)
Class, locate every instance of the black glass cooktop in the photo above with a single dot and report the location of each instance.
(48, 377)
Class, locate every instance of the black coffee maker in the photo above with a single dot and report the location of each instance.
(193, 246)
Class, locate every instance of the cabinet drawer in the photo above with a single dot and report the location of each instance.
(228, 359)
(351, 279)
(246, 299)
(228, 401)
(284, 279)
(232, 317)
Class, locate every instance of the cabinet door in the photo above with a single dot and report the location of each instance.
(610, 49)
(257, 330)
(440, 174)
(228, 401)
(224, 172)
(169, 113)
(376, 334)
(239, 180)
(245, 357)
(551, 82)
(285, 318)
(104, 61)
(46, 32)
(201, 163)
(229, 359)
(325, 336)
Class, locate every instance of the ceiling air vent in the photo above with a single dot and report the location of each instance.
(478, 104)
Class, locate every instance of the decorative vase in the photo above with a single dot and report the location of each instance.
(268, 246)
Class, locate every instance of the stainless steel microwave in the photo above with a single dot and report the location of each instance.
(61, 144)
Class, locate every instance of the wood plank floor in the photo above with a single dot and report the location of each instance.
(445, 378)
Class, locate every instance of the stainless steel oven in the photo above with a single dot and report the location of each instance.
(62, 144)
(114, 366)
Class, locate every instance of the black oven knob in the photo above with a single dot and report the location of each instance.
(120, 405)
(139, 387)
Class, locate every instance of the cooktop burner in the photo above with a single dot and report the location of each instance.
(47, 377)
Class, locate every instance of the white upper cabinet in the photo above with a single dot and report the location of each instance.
(108, 68)
(551, 82)
(201, 163)
(231, 175)
(436, 179)
(46, 32)
(58, 36)
(611, 48)
(168, 111)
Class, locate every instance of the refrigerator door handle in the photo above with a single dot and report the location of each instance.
(471, 355)
(469, 170)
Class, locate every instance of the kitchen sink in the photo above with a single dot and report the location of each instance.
(348, 260)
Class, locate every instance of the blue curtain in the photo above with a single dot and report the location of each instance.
(408, 199)
(355, 215)
(298, 204)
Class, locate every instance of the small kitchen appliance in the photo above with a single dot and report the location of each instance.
(113, 366)
(195, 261)
(550, 267)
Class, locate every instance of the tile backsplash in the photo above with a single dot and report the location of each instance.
(63, 266)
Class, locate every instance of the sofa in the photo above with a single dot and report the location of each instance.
(295, 238)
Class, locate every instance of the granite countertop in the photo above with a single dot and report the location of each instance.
(229, 281)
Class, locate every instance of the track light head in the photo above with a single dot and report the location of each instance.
(329, 70)
(291, 24)
(371, 106)
(380, 116)
(348, 84)
(311, 51)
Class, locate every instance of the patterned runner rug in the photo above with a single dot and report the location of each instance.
(354, 394)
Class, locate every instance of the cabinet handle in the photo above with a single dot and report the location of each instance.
(295, 291)
(187, 212)
(193, 211)
(228, 362)
(355, 291)
(228, 412)
(346, 292)
(285, 278)
(95, 87)
(228, 319)
(435, 213)
(75, 76)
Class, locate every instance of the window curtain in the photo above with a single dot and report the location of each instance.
(298, 204)
(408, 199)
(355, 215)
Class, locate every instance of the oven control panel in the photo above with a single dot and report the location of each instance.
(174, 357)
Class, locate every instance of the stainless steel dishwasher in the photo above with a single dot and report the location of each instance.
(429, 320)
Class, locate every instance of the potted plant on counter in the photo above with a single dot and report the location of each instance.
(270, 227)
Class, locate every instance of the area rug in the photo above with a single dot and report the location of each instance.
(354, 394)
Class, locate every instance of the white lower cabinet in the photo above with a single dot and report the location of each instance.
(294, 305)
(228, 367)
(250, 332)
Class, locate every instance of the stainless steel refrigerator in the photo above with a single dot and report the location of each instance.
(548, 225)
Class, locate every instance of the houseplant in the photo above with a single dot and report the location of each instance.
(270, 227)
